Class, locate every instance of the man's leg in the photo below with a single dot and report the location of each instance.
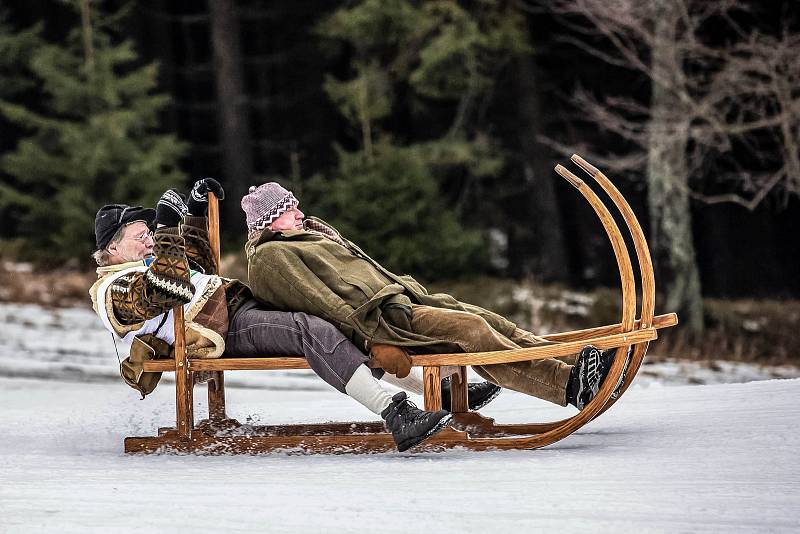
(545, 379)
(257, 332)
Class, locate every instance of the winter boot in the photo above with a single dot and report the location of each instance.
(587, 375)
(409, 425)
(479, 394)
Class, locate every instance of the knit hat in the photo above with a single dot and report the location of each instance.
(111, 217)
(265, 203)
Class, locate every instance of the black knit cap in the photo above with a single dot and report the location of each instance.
(112, 217)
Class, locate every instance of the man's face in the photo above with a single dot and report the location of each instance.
(291, 219)
(136, 244)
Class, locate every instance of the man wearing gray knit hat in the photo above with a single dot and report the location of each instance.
(301, 264)
(265, 203)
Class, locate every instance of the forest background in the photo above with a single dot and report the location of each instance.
(426, 131)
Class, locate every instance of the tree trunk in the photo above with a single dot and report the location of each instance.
(670, 214)
(538, 244)
(232, 106)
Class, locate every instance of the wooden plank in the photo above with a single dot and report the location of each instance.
(204, 444)
(230, 427)
(213, 229)
(534, 353)
(184, 384)
(266, 363)
(660, 321)
(421, 360)
(459, 399)
(432, 380)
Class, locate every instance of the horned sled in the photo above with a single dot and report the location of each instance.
(219, 434)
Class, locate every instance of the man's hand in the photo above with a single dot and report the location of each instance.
(198, 199)
(391, 359)
(171, 207)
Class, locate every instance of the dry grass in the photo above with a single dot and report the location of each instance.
(19, 282)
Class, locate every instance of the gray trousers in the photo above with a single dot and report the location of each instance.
(255, 331)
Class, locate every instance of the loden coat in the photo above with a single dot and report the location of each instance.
(303, 270)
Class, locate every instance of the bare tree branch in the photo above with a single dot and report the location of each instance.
(733, 101)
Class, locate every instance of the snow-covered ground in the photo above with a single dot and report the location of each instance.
(684, 458)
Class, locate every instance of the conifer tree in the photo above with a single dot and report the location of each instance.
(91, 139)
(430, 64)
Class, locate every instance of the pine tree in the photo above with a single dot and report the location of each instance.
(92, 139)
(430, 64)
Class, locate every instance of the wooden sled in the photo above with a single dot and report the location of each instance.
(469, 430)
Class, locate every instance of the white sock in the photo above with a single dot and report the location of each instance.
(413, 382)
(363, 387)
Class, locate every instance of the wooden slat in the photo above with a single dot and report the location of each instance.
(535, 353)
(420, 360)
(184, 383)
(660, 321)
(334, 444)
(216, 387)
(459, 399)
(213, 229)
(231, 364)
(268, 363)
(432, 379)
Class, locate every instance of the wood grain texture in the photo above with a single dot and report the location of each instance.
(422, 360)
(432, 380)
(213, 229)
(184, 385)
(459, 398)
(647, 277)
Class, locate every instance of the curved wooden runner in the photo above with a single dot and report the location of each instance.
(469, 429)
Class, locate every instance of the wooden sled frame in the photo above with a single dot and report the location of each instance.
(220, 435)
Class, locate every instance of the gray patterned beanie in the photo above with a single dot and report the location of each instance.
(265, 203)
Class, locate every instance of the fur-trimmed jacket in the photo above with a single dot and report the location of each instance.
(134, 301)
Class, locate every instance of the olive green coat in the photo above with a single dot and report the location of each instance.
(302, 270)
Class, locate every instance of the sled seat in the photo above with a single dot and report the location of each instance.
(569, 343)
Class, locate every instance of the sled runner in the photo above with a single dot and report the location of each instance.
(220, 435)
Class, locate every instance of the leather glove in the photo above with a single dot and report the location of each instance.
(171, 207)
(391, 359)
(198, 198)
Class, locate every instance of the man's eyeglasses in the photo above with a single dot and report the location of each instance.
(141, 238)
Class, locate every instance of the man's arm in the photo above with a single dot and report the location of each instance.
(165, 284)
(194, 231)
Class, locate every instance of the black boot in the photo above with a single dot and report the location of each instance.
(409, 425)
(587, 375)
(479, 394)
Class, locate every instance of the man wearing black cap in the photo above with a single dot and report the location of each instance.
(123, 232)
(152, 260)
